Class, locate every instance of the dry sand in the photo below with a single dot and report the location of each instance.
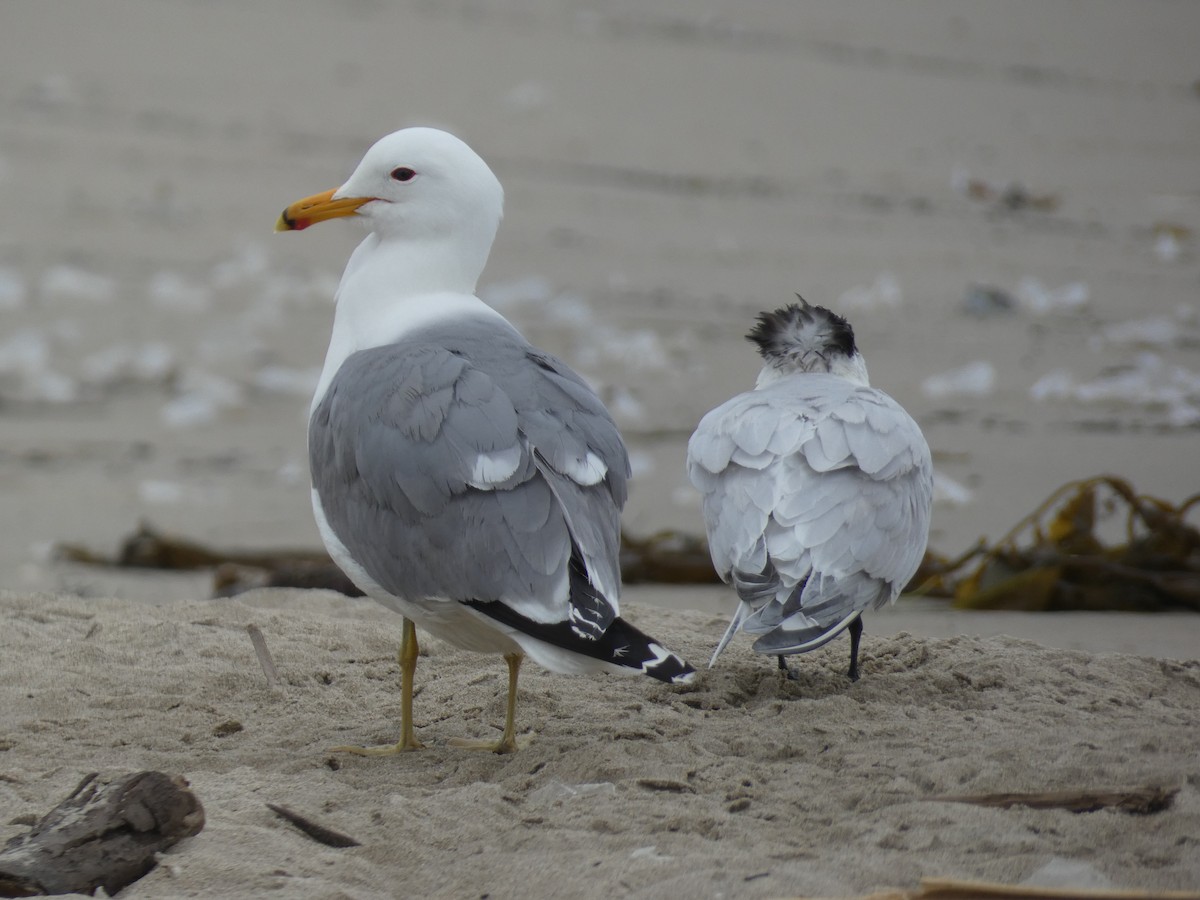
(670, 170)
(745, 785)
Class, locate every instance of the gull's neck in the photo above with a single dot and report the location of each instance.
(392, 287)
(852, 368)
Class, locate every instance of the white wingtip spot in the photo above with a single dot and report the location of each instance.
(588, 471)
(491, 469)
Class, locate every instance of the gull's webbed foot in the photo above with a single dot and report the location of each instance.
(401, 746)
(506, 744)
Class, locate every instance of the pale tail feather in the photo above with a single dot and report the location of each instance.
(739, 617)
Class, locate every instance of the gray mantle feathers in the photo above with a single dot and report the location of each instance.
(463, 464)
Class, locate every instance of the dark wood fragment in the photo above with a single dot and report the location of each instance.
(105, 834)
(665, 785)
(1138, 801)
(319, 833)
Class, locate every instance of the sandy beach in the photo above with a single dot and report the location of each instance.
(669, 171)
(746, 785)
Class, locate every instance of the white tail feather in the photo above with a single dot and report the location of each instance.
(739, 617)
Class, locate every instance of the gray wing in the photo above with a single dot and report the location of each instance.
(817, 496)
(464, 464)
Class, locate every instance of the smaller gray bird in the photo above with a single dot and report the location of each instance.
(817, 488)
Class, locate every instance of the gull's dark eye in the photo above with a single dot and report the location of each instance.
(403, 174)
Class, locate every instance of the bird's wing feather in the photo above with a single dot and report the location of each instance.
(838, 513)
(462, 464)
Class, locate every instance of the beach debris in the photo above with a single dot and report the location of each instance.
(316, 574)
(26, 372)
(666, 557)
(158, 492)
(666, 785)
(202, 396)
(227, 728)
(882, 294)
(975, 379)
(264, 655)
(958, 889)
(152, 362)
(1153, 331)
(1009, 196)
(66, 282)
(106, 834)
(1041, 300)
(1141, 801)
(669, 557)
(147, 548)
(319, 833)
(1170, 238)
(1148, 382)
(1068, 873)
(1057, 558)
(984, 300)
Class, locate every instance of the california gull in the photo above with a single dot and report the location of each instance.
(460, 476)
(817, 488)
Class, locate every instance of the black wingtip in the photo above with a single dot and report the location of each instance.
(620, 644)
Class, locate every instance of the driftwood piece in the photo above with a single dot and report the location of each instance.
(667, 557)
(1138, 801)
(318, 574)
(317, 832)
(102, 835)
(956, 889)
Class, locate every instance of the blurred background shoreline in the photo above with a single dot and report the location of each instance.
(1001, 198)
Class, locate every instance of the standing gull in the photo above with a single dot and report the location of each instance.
(460, 476)
(817, 488)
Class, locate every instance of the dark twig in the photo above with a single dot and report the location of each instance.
(1139, 801)
(318, 833)
(264, 655)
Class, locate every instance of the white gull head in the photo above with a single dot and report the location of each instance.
(421, 184)
(805, 338)
(432, 207)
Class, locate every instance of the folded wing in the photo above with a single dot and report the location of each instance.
(816, 498)
(468, 466)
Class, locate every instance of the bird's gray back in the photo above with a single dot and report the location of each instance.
(813, 474)
(462, 463)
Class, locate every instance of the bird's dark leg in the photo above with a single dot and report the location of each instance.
(783, 667)
(856, 630)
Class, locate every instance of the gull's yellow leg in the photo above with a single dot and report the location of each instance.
(408, 668)
(508, 740)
